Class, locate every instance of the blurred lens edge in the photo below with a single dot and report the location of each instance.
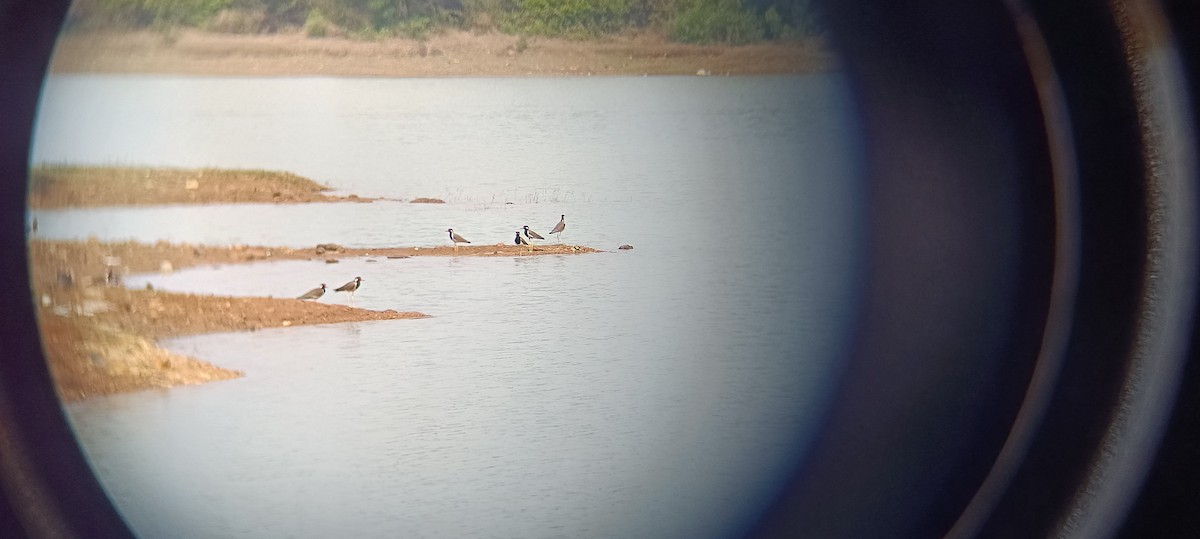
(1111, 452)
(48, 488)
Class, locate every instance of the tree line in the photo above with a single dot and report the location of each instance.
(732, 22)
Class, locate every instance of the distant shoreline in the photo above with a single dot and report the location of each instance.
(452, 54)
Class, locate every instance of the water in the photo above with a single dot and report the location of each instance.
(661, 392)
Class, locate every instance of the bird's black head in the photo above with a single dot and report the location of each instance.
(358, 279)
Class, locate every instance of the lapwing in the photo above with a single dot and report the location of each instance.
(350, 287)
(314, 293)
(456, 238)
(529, 234)
(562, 223)
(522, 241)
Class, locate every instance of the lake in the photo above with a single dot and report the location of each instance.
(666, 391)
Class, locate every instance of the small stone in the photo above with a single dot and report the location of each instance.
(286, 323)
(331, 261)
(166, 267)
(625, 247)
(192, 185)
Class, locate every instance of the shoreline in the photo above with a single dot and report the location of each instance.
(78, 186)
(100, 339)
(450, 54)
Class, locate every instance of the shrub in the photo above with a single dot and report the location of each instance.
(161, 13)
(316, 25)
(237, 21)
(716, 21)
(577, 18)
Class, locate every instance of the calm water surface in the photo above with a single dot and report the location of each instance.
(661, 392)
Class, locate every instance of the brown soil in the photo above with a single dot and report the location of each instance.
(60, 187)
(445, 55)
(424, 200)
(99, 339)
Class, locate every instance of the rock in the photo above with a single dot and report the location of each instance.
(191, 185)
(322, 247)
(702, 73)
(331, 261)
(166, 267)
(625, 247)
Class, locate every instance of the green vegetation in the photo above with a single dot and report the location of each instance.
(731, 22)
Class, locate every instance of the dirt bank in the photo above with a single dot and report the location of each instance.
(100, 339)
(452, 54)
(63, 187)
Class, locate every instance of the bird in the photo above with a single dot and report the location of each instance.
(350, 287)
(522, 241)
(314, 293)
(529, 234)
(456, 238)
(562, 223)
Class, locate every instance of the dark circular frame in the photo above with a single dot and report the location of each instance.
(1027, 361)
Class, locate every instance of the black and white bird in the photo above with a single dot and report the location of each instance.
(314, 293)
(521, 241)
(529, 234)
(350, 287)
(562, 223)
(456, 238)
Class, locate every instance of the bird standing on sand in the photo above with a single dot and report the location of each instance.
(562, 223)
(314, 293)
(522, 241)
(350, 287)
(529, 234)
(456, 238)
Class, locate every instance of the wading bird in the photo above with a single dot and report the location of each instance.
(562, 223)
(456, 238)
(350, 287)
(521, 241)
(314, 293)
(529, 234)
